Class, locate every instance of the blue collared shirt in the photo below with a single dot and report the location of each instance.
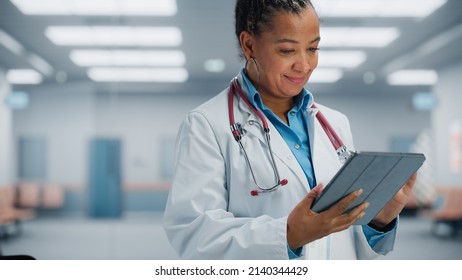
(295, 134)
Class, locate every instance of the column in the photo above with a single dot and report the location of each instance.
(7, 163)
(447, 124)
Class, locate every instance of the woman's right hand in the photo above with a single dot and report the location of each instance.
(305, 226)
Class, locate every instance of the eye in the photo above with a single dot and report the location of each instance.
(313, 50)
(287, 51)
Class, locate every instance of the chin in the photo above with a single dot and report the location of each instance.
(295, 90)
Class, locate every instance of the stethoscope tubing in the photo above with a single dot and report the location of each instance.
(236, 130)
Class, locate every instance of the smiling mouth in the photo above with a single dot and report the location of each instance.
(296, 80)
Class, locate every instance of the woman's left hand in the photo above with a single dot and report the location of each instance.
(395, 205)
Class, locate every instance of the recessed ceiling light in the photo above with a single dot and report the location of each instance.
(415, 77)
(373, 37)
(159, 75)
(378, 8)
(97, 7)
(369, 78)
(23, 76)
(326, 75)
(114, 36)
(341, 59)
(128, 58)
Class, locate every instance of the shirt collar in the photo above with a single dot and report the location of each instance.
(302, 100)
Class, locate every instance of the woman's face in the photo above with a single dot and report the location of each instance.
(286, 54)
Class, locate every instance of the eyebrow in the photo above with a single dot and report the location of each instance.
(279, 41)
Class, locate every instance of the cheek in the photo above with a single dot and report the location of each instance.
(314, 62)
(278, 67)
(274, 67)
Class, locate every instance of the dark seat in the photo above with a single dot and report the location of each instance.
(17, 257)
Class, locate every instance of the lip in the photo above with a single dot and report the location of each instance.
(296, 80)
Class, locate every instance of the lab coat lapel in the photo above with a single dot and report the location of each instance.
(324, 157)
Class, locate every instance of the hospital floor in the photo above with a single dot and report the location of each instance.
(140, 237)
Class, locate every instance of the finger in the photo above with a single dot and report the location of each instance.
(340, 207)
(407, 188)
(358, 210)
(346, 220)
(352, 216)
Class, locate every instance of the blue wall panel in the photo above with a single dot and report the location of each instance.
(104, 190)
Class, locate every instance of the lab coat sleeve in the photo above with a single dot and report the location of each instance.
(196, 219)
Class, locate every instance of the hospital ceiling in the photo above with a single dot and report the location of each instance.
(202, 37)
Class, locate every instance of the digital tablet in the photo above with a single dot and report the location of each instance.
(381, 175)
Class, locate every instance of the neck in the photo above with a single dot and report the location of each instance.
(279, 107)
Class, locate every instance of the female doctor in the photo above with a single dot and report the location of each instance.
(246, 193)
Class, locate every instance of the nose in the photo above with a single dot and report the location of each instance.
(304, 63)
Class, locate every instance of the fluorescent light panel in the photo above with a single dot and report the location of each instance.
(40, 64)
(326, 75)
(373, 37)
(377, 8)
(23, 76)
(416, 77)
(114, 36)
(341, 59)
(87, 58)
(160, 75)
(97, 7)
(11, 43)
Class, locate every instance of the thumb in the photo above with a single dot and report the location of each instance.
(308, 200)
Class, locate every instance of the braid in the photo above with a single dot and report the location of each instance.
(254, 15)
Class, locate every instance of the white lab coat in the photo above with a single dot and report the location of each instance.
(210, 213)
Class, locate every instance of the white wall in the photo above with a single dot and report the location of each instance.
(142, 121)
(376, 119)
(447, 115)
(64, 116)
(7, 164)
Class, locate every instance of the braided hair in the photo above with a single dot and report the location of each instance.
(255, 16)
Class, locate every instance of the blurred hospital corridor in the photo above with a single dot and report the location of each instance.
(92, 96)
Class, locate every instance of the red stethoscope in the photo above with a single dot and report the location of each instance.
(238, 133)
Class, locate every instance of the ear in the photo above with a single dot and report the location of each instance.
(247, 40)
